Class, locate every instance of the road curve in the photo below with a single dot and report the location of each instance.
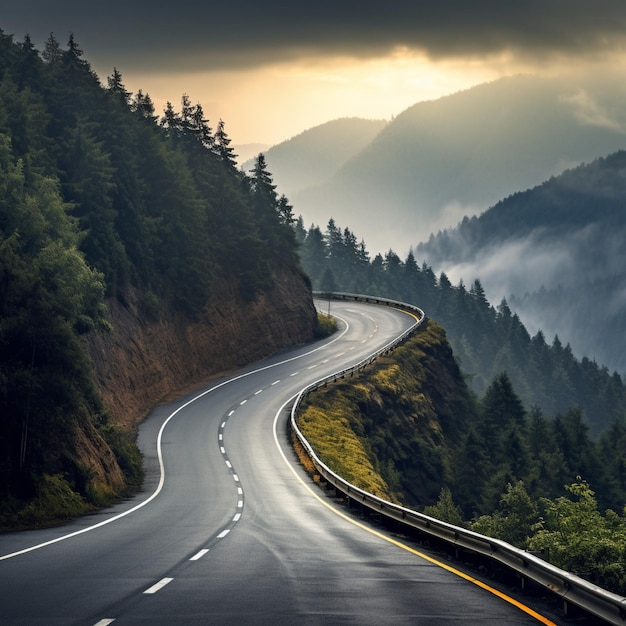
(228, 529)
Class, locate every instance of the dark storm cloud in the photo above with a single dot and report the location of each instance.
(214, 35)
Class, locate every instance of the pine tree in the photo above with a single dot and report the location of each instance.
(313, 254)
(171, 120)
(501, 410)
(285, 211)
(73, 55)
(52, 53)
(142, 104)
(222, 146)
(116, 87)
(200, 127)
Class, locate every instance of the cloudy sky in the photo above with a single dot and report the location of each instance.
(273, 68)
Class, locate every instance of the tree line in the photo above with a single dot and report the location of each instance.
(487, 340)
(575, 223)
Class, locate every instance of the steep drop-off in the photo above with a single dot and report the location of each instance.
(138, 364)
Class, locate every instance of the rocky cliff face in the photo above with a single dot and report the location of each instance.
(140, 363)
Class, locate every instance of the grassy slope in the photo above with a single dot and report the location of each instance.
(391, 429)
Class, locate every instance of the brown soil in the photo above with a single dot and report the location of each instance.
(141, 364)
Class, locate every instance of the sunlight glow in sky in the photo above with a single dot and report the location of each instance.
(273, 69)
(271, 104)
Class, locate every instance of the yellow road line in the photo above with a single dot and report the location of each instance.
(522, 607)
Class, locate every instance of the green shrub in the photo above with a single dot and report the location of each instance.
(56, 500)
(326, 325)
(126, 452)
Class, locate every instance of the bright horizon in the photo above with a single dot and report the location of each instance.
(308, 93)
(274, 70)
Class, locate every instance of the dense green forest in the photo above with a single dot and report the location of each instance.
(100, 196)
(508, 434)
(409, 429)
(487, 340)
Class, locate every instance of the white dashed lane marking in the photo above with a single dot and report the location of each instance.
(199, 555)
(159, 585)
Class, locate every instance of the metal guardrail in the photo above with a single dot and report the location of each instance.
(570, 588)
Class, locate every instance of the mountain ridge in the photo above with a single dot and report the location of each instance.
(310, 157)
(457, 155)
(555, 253)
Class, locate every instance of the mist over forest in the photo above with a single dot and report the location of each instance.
(556, 254)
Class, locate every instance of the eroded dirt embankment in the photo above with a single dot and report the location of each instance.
(140, 363)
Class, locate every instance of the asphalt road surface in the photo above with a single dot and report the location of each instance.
(229, 530)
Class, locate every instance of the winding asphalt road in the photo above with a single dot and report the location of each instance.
(229, 529)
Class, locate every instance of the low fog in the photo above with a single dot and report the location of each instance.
(568, 285)
(518, 266)
(556, 257)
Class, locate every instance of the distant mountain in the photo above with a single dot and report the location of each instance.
(313, 156)
(556, 252)
(440, 160)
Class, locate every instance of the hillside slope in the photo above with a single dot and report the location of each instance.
(556, 253)
(406, 414)
(313, 156)
(141, 362)
(406, 429)
(135, 260)
(440, 160)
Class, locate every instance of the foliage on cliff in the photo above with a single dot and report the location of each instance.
(102, 201)
(404, 415)
(409, 430)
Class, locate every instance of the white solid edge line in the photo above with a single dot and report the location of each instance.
(159, 488)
